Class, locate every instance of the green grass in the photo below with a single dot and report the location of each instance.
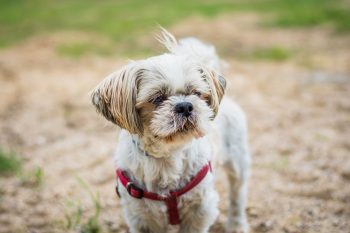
(75, 216)
(76, 50)
(123, 21)
(117, 20)
(32, 178)
(93, 223)
(273, 54)
(72, 212)
(304, 13)
(9, 163)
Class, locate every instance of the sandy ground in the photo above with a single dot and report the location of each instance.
(299, 123)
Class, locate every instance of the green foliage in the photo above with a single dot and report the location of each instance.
(117, 20)
(73, 217)
(273, 53)
(76, 50)
(38, 175)
(33, 177)
(92, 225)
(311, 13)
(9, 163)
(123, 21)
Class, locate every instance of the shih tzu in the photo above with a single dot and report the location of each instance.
(176, 125)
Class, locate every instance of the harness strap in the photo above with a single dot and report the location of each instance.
(171, 199)
(173, 212)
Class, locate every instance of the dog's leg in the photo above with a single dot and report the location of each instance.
(139, 230)
(201, 213)
(234, 155)
(140, 221)
(237, 220)
(236, 163)
(140, 226)
(195, 227)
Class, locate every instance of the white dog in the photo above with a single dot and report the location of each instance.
(173, 127)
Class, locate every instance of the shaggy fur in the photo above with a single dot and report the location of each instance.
(141, 99)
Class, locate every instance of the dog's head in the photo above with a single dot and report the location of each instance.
(166, 96)
(170, 98)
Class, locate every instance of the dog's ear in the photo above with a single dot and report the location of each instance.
(217, 85)
(115, 98)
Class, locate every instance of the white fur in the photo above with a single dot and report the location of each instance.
(171, 165)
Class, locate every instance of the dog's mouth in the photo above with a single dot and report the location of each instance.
(189, 124)
(197, 133)
(184, 128)
(179, 127)
(183, 135)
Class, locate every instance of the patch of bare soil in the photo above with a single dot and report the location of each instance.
(299, 120)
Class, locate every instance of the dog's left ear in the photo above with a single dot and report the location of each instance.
(217, 85)
(115, 98)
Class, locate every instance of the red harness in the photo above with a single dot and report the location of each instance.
(171, 200)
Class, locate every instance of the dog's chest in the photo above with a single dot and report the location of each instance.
(167, 177)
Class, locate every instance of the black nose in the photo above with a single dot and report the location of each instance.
(185, 108)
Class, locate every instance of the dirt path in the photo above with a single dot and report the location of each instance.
(298, 111)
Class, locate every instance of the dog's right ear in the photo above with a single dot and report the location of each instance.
(217, 86)
(115, 98)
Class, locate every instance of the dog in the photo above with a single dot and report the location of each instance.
(176, 125)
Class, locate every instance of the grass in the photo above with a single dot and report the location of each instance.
(312, 13)
(32, 178)
(74, 212)
(124, 21)
(272, 53)
(93, 224)
(9, 163)
(114, 19)
(79, 49)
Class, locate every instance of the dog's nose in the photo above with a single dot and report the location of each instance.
(184, 108)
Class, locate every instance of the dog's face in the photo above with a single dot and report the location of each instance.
(169, 98)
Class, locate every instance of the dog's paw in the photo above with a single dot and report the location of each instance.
(242, 227)
(238, 231)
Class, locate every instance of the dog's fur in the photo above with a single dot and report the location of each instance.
(162, 150)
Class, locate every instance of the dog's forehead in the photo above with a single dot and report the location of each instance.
(178, 72)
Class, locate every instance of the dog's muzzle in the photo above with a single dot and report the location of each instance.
(184, 108)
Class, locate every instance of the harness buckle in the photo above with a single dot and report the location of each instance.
(134, 191)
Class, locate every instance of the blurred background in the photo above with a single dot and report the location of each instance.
(288, 66)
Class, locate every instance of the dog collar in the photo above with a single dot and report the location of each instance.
(171, 199)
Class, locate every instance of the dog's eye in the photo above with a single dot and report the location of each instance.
(197, 93)
(158, 100)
